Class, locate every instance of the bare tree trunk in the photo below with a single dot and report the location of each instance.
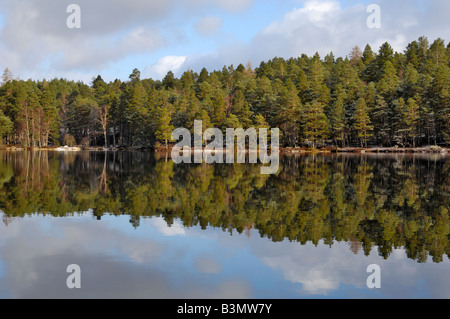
(121, 133)
(114, 134)
(27, 132)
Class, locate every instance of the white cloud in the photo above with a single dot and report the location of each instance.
(173, 230)
(319, 271)
(325, 26)
(164, 65)
(318, 12)
(321, 26)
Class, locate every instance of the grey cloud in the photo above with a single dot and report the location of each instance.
(208, 25)
(208, 265)
(35, 34)
(235, 5)
(94, 53)
(100, 17)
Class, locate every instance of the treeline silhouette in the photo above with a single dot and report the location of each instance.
(399, 201)
(382, 98)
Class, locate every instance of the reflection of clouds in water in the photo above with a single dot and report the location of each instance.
(319, 271)
(31, 250)
(113, 264)
(322, 270)
(319, 281)
(116, 263)
(161, 225)
(208, 265)
(336, 270)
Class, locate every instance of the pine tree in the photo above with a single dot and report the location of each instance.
(260, 122)
(303, 86)
(218, 109)
(50, 121)
(411, 118)
(169, 81)
(410, 85)
(381, 121)
(362, 123)
(264, 99)
(370, 70)
(411, 54)
(437, 53)
(438, 100)
(389, 82)
(136, 112)
(7, 76)
(241, 108)
(355, 55)
(368, 55)
(422, 53)
(290, 109)
(315, 126)
(336, 115)
(397, 119)
(385, 54)
(316, 77)
(203, 75)
(135, 76)
(164, 127)
(6, 126)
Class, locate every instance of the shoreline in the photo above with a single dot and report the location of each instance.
(283, 150)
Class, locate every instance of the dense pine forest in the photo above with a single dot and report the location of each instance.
(383, 98)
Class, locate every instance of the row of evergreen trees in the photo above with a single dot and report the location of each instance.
(386, 98)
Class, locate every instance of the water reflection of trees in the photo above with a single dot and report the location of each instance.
(371, 203)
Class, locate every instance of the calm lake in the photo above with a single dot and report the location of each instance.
(140, 226)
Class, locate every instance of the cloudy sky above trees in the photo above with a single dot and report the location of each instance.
(157, 36)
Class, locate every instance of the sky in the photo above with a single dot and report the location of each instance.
(154, 36)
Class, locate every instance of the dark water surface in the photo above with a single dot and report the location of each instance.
(140, 226)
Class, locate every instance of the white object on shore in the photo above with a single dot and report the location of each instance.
(67, 148)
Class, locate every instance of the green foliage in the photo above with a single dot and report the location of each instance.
(6, 125)
(316, 127)
(362, 121)
(163, 119)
